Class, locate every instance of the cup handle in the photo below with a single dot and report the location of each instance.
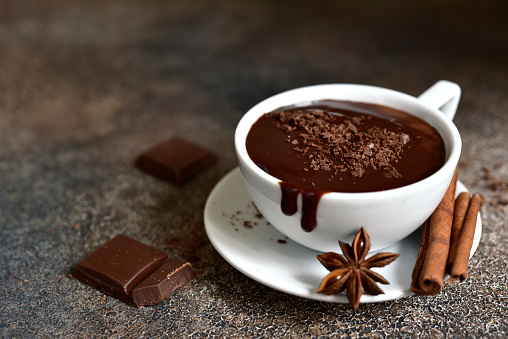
(443, 95)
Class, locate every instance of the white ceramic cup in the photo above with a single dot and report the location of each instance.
(388, 216)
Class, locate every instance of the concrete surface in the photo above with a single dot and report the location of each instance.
(85, 86)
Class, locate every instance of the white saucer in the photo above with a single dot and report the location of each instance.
(250, 244)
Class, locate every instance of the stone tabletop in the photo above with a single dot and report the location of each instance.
(86, 86)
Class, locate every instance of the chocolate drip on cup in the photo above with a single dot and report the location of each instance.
(310, 201)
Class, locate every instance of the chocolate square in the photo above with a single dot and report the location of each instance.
(162, 283)
(176, 160)
(119, 265)
(134, 273)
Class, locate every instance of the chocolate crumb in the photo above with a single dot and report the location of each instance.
(496, 184)
(281, 241)
(502, 201)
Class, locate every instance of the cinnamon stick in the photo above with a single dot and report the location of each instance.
(420, 257)
(431, 277)
(459, 213)
(460, 259)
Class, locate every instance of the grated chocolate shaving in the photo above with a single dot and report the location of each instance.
(346, 146)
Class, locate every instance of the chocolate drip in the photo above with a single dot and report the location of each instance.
(310, 201)
(289, 196)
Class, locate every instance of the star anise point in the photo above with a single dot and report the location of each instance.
(352, 271)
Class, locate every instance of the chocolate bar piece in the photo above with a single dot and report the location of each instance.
(162, 283)
(176, 160)
(133, 272)
(119, 265)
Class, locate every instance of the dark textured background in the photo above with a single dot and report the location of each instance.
(85, 86)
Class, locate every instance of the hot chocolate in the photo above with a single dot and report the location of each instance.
(342, 146)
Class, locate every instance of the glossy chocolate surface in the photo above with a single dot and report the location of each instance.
(422, 156)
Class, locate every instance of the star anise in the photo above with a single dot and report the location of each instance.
(352, 271)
